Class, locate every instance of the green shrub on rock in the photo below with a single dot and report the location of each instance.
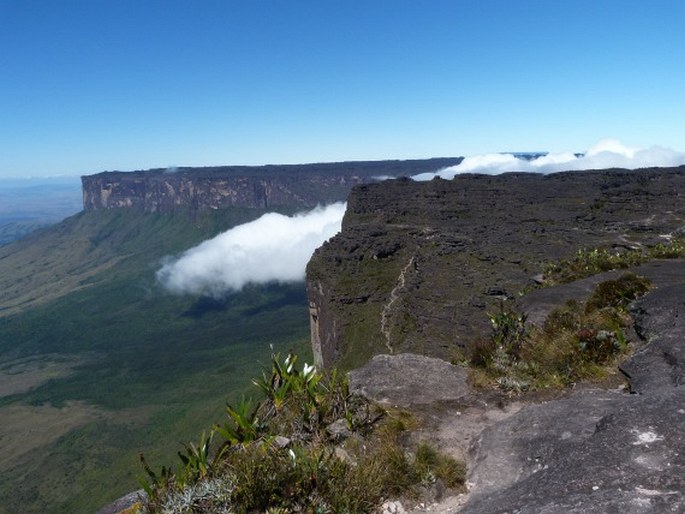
(576, 342)
(309, 446)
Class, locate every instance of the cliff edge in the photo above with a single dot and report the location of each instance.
(418, 264)
(263, 187)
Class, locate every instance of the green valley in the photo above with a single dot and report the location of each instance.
(98, 363)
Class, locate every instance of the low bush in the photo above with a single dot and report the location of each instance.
(588, 262)
(617, 293)
(576, 342)
(284, 454)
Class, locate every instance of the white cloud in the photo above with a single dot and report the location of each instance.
(273, 248)
(607, 153)
(276, 248)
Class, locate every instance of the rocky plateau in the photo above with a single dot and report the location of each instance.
(418, 264)
(257, 187)
(411, 277)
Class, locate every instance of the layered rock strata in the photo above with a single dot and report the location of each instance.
(263, 187)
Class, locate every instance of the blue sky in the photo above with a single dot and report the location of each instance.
(94, 85)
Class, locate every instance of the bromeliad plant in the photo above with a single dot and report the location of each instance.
(510, 331)
(284, 434)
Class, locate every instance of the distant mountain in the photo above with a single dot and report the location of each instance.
(260, 187)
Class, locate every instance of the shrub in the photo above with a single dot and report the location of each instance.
(617, 293)
(278, 455)
(576, 342)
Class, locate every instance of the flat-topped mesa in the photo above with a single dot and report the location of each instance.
(261, 187)
(418, 264)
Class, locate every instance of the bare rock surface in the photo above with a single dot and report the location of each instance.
(586, 451)
(598, 450)
(408, 379)
(660, 319)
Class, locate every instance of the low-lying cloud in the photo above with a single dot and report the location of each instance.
(607, 153)
(276, 248)
(273, 248)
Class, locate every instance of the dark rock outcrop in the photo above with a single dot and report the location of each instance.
(660, 319)
(263, 187)
(598, 450)
(418, 263)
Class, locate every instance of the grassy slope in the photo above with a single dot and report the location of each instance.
(152, 370)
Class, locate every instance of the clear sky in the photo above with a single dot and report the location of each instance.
(93, 85)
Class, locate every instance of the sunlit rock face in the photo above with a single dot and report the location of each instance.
(262, 187)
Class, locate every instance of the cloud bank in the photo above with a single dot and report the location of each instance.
(273, 248)
(607, 153)
(276, 248)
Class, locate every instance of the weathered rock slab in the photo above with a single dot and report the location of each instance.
(660, 319)
(598, 451)
(408, 379)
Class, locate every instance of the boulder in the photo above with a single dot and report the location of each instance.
(408, 379)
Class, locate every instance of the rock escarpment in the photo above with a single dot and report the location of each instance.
(263, 187)
(417, 264)
(586, 450)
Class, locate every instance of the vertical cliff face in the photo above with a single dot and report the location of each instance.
(264, 187)
(161, 193)
(418, 264)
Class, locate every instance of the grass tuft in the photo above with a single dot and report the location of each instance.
(576, 342)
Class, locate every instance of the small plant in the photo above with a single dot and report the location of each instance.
(278, 456)
(196, 461)
(243, 424)
(509, 332)
(430, 465)
(618, 293)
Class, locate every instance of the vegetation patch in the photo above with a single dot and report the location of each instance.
(588, 262)
(309, 446)
(576, 342)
